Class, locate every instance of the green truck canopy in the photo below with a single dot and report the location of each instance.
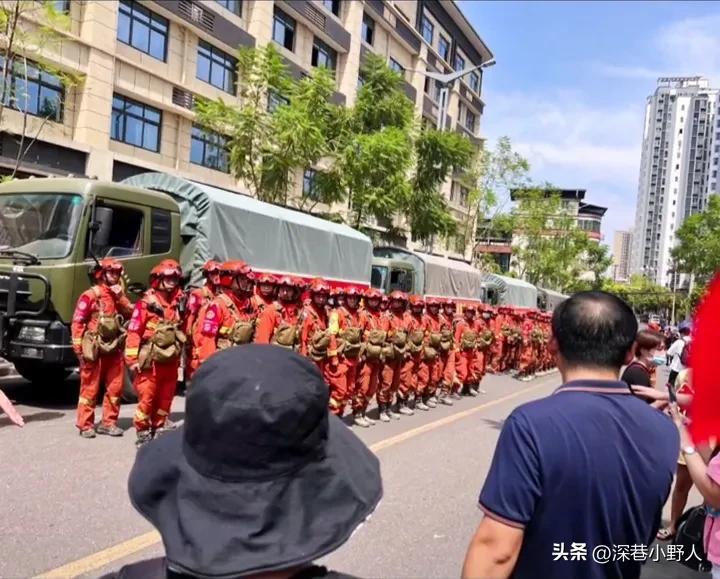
(221, 224)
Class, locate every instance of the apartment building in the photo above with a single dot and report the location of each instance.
(622, 244)
(143, 63)
(678, 170)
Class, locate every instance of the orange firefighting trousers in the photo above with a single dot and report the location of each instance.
(408, 377)
(368, 379)
(109, 369)
(155, 388)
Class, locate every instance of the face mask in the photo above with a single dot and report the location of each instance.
(659, 360)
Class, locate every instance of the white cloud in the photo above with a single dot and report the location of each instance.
(631, 72)
(692, 46)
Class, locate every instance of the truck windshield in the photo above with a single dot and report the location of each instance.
(40, 224)
(378, 276)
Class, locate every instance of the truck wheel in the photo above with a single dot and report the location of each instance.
(129, 396)
(42, 375)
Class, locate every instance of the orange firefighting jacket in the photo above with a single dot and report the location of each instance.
(98, 299)
(219, 318)
(273, 317)
(144, 321)
(198, 299)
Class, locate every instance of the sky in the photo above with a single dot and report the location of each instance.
(571, 82)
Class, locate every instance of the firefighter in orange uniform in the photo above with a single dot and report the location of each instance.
(493, 353)
(279, 323)
(154, 345)
(446, 361)
(374, 326)
(230, 318)
(344, 325)
(197, 302)
(485, 340)
(265, 293)
(384, 303)
(316, 340)
(412, 391)
(97, 336)
(466, 340)
(526, 350)
(430, 373)
(397, 354)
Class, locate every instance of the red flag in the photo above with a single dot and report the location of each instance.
(705, 407)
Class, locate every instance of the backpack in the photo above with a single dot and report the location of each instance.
(689, 535)
(685, 355)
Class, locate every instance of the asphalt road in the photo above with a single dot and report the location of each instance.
(65, 506)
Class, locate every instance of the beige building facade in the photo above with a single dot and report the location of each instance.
(143, 62)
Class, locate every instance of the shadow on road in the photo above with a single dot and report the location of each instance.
(37, 417)
(496, 424)
(126, 423)
(60, 396)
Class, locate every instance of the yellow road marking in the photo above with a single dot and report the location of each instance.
(125, 549)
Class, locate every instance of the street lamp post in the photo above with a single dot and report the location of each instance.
(445, 81)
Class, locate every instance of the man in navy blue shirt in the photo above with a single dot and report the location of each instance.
(579, 479)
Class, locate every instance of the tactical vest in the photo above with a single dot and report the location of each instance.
(286, 335)
(108, 336)
(166, 342)
(240, 332)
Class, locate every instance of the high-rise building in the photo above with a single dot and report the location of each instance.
(144, 62)
(676, 170)
(622, 244)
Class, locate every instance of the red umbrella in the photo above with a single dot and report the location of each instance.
(705, 407)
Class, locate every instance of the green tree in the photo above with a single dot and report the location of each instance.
(597, 260)
(29, 30)
(643, 295)
(548, 248)
(698, 249)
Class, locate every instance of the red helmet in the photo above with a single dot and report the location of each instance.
(352, 291)
(373, 293)
(287, 281)
(433, 301)
(232, 269)
(107, 264)
(398, 295)
(319, 285)
(267, 278)
(469, 308)
(210, 266)
(166, 268)
(416, 301)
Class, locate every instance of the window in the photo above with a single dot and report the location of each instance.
(444, 48)
(309, 186)
(235, 6)
(135, 123)
(464, 195)
(474, 82)
(284, 30)
(276, 100)
(427, 29)
(459, 63)
(216, 67)
(161, 231)
(41, 95)
(126, 233)
(142, 29)
(470, 119)
(333, 6)
(61, 6)
(368, 29)
(209, 149)
(397, 67)
(323, 55)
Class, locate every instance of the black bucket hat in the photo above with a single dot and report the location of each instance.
(260, 477)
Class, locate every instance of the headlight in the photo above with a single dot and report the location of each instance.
(34, 334)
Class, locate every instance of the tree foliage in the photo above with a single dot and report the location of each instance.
(698, 248)
(643, 295)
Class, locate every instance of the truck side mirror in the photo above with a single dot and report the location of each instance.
(101, 226)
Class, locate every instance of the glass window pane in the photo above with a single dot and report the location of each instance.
(117, 125)
(123, 27)
(196, 151)
(203, 68)
(157, 45)
(217, 76)
(151, 137)
(50, 104)
(152, 115)
(140, 14)
(133, 131)
(141, 36)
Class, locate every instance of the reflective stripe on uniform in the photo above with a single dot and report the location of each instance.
(332, 353)
(132, 351)
(334, 403)
(161, 412)
(140, 415)
(77, 341)
(114, 400)
(151, 325)
(85, 401)
(225, 331)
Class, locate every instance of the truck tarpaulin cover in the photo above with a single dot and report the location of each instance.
(220, 224)
(511, 291)
(551, 298)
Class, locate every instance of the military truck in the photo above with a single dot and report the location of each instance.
(52, 231)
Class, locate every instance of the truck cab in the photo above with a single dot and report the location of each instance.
(389, 275)
(51, 233)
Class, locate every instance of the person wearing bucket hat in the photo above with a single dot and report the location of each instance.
(260, 480)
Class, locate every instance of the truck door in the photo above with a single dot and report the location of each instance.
(125, 237)
(401, 279)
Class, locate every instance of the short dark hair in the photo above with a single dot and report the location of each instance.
(685, 331)
(648, 340)
(594, 329)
